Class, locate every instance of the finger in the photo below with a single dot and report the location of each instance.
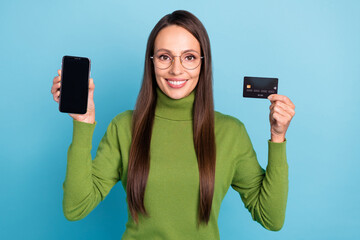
(55, 87)
(282, 112)
(91, 89)
(280, 109)
(91, 84)
(56, 79)
(56, 96)
(280, 119)
(285, 99)
(59, 72)
(276, 117)
(284, 117)
(284, 106)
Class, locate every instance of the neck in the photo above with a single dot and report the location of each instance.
(174, 109)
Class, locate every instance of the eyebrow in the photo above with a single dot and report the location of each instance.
(167, 50)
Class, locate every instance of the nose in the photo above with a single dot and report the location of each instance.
(176, 67)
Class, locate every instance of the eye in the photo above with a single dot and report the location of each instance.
(189, 57)
(164, 57)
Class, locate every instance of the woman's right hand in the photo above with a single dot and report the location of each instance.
(89, 116)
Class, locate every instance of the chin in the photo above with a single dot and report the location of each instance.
(176, 93)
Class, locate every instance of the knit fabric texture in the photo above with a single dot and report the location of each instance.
(172, 190)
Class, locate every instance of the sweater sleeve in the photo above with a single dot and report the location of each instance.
(87, 181)
(264, 193)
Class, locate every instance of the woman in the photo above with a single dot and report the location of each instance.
(175, 156)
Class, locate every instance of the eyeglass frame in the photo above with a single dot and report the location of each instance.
(173, 59)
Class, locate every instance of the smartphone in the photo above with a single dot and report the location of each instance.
(74, 88)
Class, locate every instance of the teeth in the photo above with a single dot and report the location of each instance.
(176, 82)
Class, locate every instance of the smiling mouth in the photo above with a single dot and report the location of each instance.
(176, 83)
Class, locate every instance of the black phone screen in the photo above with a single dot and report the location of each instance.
(74, 86)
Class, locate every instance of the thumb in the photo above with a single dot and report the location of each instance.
(91, 88)
(91, 84)
(91, 94)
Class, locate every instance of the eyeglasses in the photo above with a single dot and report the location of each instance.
(189, 60)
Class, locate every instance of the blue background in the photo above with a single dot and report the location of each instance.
(313, 47)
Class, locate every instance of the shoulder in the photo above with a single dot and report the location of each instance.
(124, 115)
(227, 121)
(230, 131)
(123, 119)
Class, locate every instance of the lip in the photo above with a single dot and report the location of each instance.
(176, 79)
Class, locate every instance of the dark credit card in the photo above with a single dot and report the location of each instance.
(259, 87)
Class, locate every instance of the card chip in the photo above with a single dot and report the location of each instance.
(248, 86)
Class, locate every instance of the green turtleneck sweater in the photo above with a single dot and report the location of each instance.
(172, 190)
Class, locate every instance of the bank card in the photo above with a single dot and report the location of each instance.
(259, 87)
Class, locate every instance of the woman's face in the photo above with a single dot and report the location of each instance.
(176, 81)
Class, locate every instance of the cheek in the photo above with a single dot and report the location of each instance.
(195, 75)
(161, 73)
(158, 75)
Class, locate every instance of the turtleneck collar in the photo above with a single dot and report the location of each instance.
(174, 109)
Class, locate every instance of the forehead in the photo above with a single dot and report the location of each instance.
(176, 39)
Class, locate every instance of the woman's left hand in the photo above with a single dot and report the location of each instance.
(282, 110)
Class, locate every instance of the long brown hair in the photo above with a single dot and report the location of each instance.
(203, 121)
